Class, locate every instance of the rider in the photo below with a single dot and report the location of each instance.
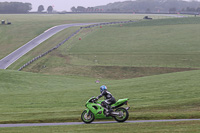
(109, 98)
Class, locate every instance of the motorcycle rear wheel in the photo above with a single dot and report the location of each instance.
(87, 118)
(124, 117)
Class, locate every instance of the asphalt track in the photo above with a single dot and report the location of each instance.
(81, 123)
(12, 57)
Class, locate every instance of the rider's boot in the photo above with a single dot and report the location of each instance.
(110, 110)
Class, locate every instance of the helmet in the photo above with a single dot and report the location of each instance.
(102, 88)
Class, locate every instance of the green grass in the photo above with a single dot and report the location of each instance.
(66, 77)
(47, 45)
(25, 27)
(28, 97)
(166, 45)
(163, 127)
(144, 48)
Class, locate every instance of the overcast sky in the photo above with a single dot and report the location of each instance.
(64, 5)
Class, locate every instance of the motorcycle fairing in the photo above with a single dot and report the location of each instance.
(97, 110)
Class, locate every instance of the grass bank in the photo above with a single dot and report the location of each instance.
(29, 97)
(125, 51)
(25, 27)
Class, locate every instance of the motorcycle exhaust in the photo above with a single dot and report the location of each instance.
(115, 113)
(120, 114)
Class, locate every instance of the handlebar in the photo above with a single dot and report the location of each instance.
(93, 99)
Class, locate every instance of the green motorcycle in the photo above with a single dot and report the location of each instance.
(96, 111)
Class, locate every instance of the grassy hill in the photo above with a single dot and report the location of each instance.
(29, 97)
(21, 30)
(65, 79)
(117, 52)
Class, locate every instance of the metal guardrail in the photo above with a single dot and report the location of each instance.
(57, 46)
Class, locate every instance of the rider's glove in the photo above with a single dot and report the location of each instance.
(95, 99)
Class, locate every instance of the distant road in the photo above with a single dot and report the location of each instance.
(80, 123)
(12, 57)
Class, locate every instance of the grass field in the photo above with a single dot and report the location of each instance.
(137, 45)
(21, 31)
(28, 97)
(158, 52)
(117, 52)
(164, 127)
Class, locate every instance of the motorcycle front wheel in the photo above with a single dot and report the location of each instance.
(87, 118)
(123, 115)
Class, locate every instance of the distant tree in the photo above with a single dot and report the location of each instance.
(198, 9)
(115, 10)
(28, 7)
(153, 5)
(190, 9)
(172, 10)
(40, 8)
(108, 10)
(50, 9)
(97, 10)
(148, 10)
(73, 9)
(15, 7)
(81, 9)
(90, 9)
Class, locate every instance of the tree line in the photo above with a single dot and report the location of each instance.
(41, 9)
(83, 9)
(148, 6)
(15, 7)
(19, 7)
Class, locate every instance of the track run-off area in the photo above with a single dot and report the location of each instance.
(12, 57)
(100, 122)
(18, 53)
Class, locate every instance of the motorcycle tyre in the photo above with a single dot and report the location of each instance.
(85, 121)
(124, 119)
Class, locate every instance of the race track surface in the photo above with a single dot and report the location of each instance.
(12, 57)
(80, 123)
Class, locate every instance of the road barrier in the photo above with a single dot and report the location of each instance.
(57, 46)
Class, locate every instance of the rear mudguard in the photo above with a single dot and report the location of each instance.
(120, 102)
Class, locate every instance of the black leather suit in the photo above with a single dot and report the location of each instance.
(109, 99)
